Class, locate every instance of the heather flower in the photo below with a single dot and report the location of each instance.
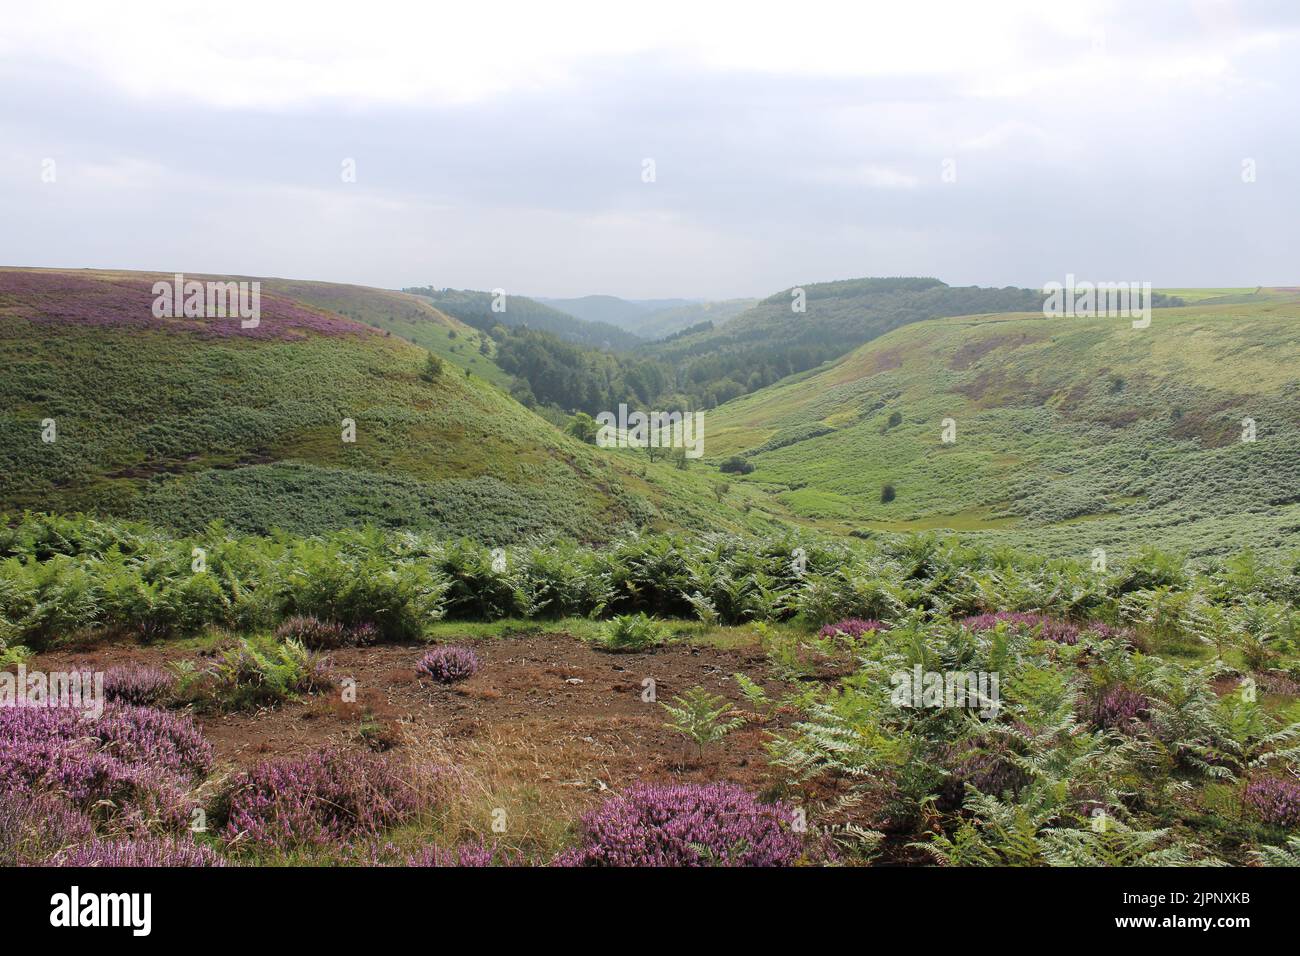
(137, 684)
(126, 302)
(1047, 628)
(34, 826)
(326, 797)
(447, 665)
(715, 824)
(133, 764)
(851, 627)
(982, 764)
(143, 852)
(1117, 708)
(1275, 800)
(312, 632)
(467, 854)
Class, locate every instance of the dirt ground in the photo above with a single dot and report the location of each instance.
(544, 711)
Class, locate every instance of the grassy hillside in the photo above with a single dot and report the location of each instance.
(772, 340)
(412, 317)
(1071, 434)
(182, 421)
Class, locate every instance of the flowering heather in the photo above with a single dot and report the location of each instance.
(326, 797)
(981, 764)
(312, 632)
(35, 826)
(126, 302)
(1276, 800)
(134, 763)
(447, 665)
(1117, 708)
(669, 825)
(147, 851)
(851, 627)
(1049, 628)
(137, 684)
(467, 854)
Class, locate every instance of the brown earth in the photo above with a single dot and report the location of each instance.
(558, 712)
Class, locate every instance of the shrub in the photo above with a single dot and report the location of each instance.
(736, 465)
(327, 797)
(887, 493)
(1275, 800)
(632, 632)
(35, 826)
(134, 765)
(138, 684)
(686, 825)
(146, 852)
(851, 627)
(1048, 628)
(257, 673)
(448, 664)
(1116, 708)
(312, 632)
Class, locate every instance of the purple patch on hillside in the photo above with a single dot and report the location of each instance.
(58, 298)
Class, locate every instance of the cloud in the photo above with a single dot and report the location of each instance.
(503, 146)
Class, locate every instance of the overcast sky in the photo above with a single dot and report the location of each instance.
(505, 145)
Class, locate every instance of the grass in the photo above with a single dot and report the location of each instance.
(173, 425)
(1070, 436)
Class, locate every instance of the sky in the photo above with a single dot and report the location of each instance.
(666, 149)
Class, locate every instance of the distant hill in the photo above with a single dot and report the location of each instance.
(182, 421)
(649, 318)
(772, 339)
(1071, 434)
(475, 309)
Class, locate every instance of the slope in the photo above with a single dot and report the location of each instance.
(107, 409)
(1071, 434)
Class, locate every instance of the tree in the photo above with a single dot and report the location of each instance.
(583, 427)
(432, 368)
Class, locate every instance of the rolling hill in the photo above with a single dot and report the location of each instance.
(183, 421)
(475, 309)
(1071, 434)
(772, 340)
(649, 318)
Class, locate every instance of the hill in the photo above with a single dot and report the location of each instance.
(1071, 434)
(772, 340)
(182, 421)
(475, 309)
(649, 318)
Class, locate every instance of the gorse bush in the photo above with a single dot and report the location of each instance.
(687, 825)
